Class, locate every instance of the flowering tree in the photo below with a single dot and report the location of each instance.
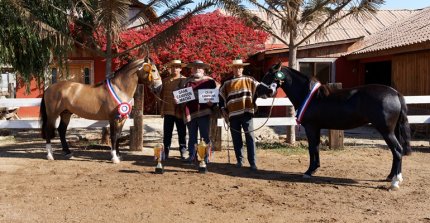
(213, 38)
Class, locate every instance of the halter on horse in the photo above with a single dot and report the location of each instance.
(98, 102)
(382, 106)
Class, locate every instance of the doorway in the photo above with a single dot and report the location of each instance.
(378, 73)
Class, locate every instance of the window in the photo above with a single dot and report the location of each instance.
(87, 75)
(321, 68)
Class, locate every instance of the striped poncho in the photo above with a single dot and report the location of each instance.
(237, 95)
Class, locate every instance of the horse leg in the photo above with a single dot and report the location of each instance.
(115, 133)
(49, 131)
(62, 128)
(396, 168)
(313, 135)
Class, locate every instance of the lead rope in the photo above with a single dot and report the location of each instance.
(227, 125)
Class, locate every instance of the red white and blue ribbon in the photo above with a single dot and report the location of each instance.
(308, 99)
(124, 108)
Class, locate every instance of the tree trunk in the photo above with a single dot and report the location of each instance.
(105, 130)
(292, 62)
(136, 133)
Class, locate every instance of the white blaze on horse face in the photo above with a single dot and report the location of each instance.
(115, 158)
(49, 155)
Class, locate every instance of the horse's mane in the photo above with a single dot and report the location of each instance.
(122, 69)
(324, 91)
(127, 66)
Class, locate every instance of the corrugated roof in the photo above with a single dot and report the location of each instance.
(407, 31)
(348, 28)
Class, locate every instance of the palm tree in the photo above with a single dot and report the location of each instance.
(299, 20)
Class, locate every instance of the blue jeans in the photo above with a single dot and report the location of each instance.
(169, 122)
(201, 124)
(238, 122)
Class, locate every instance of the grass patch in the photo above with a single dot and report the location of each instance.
(284, 148)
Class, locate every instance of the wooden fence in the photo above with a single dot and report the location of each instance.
(276, 121)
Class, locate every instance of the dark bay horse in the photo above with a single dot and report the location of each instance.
(106, 101)
(319, 107)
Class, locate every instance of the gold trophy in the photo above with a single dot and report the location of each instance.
(202, 151)
(158, 156)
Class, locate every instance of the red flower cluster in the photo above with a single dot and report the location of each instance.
(213, 38)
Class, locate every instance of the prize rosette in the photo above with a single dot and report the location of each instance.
(124, 109)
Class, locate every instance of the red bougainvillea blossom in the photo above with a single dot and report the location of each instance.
(214, 38)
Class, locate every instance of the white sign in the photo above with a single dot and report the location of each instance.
(206, 95)
(184, 95)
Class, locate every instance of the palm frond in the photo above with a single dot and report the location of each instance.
(111, 14)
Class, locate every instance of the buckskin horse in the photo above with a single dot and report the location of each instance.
(108, 100)
(320, 107)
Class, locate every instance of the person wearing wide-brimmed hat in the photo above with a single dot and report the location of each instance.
(197, 115)
(237, 104)
(170, 111)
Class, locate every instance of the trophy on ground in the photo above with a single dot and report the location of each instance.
(203, 150)
(158, 156)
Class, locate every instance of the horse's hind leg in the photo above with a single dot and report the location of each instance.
(62, 128)
(49, 129)
(313, 135)
(396, 168)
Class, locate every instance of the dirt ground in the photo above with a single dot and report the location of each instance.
(349, 187)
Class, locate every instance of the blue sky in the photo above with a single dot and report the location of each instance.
(389, 4)
(399, 4)
(405, 4)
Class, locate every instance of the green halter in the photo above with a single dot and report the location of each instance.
(279, 75)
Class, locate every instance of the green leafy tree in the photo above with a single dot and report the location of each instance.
(33, 32)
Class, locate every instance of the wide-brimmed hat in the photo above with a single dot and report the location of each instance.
(238, 62)
(175, 62)
(198, 64)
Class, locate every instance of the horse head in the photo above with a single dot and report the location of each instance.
(277, 75)
(295, 84)
(148, 73)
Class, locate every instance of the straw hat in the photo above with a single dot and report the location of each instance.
(175, 62)
(238, 62)
(198, 64)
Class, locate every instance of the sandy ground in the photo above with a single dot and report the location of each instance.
(349, 186)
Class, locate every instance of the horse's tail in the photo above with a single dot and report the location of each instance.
(403, 130)
(43, 117)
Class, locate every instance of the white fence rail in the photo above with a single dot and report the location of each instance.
(413, 119)
(276, 121)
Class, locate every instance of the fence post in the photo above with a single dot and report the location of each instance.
(291, 129)
(136, 132)
(335, 137)
(215, 131)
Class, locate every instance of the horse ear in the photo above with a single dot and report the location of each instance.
(275, 67)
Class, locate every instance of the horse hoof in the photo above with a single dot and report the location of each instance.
(116, 160)
(394, 188)
(306, 176)
(49, 157)
(68, 156)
